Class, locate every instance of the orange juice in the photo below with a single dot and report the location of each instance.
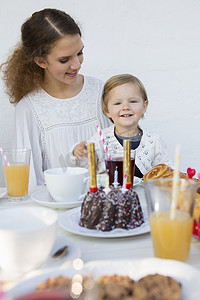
(171, 237)
(17, 178)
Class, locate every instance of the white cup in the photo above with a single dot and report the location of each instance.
(68, 186)
(27, 235)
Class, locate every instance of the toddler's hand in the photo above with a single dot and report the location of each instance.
(80, 150)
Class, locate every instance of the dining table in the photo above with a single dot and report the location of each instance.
(95, 248)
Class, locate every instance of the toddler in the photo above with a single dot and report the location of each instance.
(124, 101)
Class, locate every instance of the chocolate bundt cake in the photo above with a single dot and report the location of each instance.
(116, 209)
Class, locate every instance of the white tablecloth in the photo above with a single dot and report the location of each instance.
(114, 248)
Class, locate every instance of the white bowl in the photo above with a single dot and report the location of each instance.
(66, 186)
(27, 235)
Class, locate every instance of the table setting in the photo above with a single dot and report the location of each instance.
(102, 251)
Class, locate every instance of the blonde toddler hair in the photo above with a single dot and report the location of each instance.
(118, 80)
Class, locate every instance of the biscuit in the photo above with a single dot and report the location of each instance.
(114, 287)
(55, 283)
(157, 287)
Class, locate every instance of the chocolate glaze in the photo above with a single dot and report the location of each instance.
(92, 208)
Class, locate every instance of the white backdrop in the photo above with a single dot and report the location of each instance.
(157, 40)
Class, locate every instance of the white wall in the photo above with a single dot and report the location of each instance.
(157, 40)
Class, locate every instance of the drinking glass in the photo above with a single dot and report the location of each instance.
(171, 230)
(116, 163)
(16, 173)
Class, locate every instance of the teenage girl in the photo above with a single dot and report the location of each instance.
(55, 106)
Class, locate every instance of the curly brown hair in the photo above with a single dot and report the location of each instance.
(21, 74)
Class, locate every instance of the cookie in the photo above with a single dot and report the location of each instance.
(157, 287)
(55, 283)
(114, 287)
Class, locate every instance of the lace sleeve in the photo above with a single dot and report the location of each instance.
(27, 135)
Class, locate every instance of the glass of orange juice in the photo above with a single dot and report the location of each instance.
(171, 231)
(16, 173)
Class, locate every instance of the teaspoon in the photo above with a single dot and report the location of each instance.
(60, 253)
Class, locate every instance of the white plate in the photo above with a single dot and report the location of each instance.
(73, 252)
(136, 180)
(188, 276)
(70, 222)
(3, 192)
(44, 198)
(29, 285)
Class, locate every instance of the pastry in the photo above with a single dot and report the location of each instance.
(159, 171)
(162, 171)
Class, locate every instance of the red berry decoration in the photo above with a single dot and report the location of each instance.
(191, 172)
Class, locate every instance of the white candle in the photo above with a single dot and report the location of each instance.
(107, 187)
(116, 175)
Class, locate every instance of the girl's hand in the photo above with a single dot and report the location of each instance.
(80, 150)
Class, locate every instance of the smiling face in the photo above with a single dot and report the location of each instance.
(63, 63)
(125, 107)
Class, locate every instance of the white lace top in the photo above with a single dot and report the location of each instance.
(51, 126)
(150, 152)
